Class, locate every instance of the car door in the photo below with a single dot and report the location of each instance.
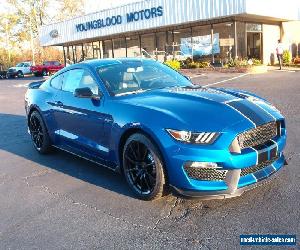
(57, 66)
(26, 68)
(81, 120)
(52, 67)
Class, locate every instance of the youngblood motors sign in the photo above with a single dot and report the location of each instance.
(118, 19)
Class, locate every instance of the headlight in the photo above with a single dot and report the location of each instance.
(194, 138)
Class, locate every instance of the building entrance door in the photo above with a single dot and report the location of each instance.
(254, 45)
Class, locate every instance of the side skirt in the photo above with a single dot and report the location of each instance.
(92, 159)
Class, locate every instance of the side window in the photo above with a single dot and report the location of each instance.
(56, 82)
(88, 81)
(72, 80)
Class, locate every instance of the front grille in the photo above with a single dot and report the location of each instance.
(253, 169)
(258, 135)
(205, 174)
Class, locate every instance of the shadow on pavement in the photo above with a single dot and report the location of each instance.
(15, 139)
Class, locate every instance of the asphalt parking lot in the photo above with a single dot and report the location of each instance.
(59, 201)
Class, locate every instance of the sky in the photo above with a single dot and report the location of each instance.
(90, 5)
(104, 4)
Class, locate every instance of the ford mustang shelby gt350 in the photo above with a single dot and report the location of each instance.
(143, 119)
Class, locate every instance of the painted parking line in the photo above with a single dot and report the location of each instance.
(226, 80)
(198, 75)
(283, 70)
(20, 85)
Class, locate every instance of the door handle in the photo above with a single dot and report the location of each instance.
(59, 104)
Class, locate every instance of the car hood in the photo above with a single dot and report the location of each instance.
(207, 109)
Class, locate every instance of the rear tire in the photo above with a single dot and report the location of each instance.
(39, 133)
(143, 167)
(44, 72)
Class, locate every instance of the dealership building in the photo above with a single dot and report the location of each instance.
(211, 30)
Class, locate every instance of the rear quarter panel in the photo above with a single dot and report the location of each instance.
(40, 99)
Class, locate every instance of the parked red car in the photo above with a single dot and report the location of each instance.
(48, 67)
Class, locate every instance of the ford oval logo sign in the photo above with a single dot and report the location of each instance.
(54, 33)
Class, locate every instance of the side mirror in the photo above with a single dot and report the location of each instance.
(86, 93)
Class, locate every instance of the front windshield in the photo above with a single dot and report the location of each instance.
(138, 76)
(19, 65)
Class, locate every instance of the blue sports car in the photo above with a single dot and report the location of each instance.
(149, 122)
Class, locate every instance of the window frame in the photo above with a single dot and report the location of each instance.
(62, 81)
(84, 70)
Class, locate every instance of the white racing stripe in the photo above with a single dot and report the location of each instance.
(256, 154)
(273, 168)
(226, 80)
(265, 111)
(276, 145)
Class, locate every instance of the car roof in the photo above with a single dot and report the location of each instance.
(108, 61)
(95, 63)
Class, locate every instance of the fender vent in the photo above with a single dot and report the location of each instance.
(205, 174)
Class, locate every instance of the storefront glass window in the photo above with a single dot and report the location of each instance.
(119, 47)
(202, 48)
(68, 52)
(182, 46)
(241, 40)
(96, 50)
(77, 55)
(107, 49)
(88, 51)
(254, 27)
(160, 52)
(169, 43)
(224, 41)
(133, 46)
(254, 40)
(148, 44)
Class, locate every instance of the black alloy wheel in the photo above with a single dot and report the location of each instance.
(20, 74)
(39, 134)
(143, 167)
(44, 72)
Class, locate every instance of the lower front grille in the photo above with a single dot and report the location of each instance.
(205, 174)
(253, 169)
(212, 174)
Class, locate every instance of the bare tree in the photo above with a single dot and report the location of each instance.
(10, 34)
(69, 9)
(32, 14)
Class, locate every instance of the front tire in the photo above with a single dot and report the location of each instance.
(143, 167)
(39, 133)
(20, 74)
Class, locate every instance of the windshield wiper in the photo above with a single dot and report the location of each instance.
(132, 92)
(192, 87)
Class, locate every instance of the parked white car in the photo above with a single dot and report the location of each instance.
(179, 56)
(159, 55)
(19, 70)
